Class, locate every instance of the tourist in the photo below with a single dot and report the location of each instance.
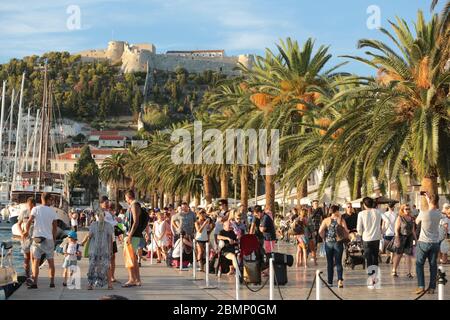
(25, 242)
(184, 221)
(74, 220)
(106, 207)
(333, 231)
(267, 227)
(316, 217)
(187, 250)
(300, 229)
(428, 244)
(255, 224)
(388, 227)
(405, 235)
(135, 230)
(228, 250)
(351, 217)
(369, 227)
(444, 224)
(44, 235)
(415, 211)
(236, 223)
(221, 217)
(201, 236)
(160, 237)
(100, 238)
(71, 255)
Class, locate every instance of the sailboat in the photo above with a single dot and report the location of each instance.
(31, 180)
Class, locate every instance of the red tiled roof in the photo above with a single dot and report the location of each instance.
(112, 137)
(67, 155)
(105, 133)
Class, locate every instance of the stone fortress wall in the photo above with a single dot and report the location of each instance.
(135, 58)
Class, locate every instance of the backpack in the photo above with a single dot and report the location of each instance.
(144, 218)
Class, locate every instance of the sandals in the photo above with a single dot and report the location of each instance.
(128, 285)
(110, 288)
(409, 276)
(394, 274)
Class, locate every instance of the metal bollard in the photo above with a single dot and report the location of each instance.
(207, 269)
(151, 246)
(271, 279)
(318, 285)
(181, 253)
(237, 285)
(441, 283)
(194, 260)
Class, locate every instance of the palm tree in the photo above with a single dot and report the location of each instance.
(406, 119)
(113, 171)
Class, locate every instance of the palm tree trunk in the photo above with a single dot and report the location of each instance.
(302, 191)
(224, 184)
(117, 196)
(270, 193)
(161, 200)
(172, 199)
(132, 184)
(244, 188)
(155, 199)
(187, 198)
(430, 185)
(207, 188)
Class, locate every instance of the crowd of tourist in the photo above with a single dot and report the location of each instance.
(170, 232)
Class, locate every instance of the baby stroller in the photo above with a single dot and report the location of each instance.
(354, 253)
(250, 259)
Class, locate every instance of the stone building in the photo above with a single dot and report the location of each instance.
(135, 58)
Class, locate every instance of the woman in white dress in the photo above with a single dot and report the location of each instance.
(160, 237)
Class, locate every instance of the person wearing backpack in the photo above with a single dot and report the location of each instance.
(137, 223)
(333, 231)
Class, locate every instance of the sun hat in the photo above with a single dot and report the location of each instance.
(72, 235)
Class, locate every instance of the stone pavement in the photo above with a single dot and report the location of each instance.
(163, 283)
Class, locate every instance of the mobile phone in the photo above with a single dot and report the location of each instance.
(422, 193)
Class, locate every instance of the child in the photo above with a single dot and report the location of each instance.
(160, 237)
(71, 253)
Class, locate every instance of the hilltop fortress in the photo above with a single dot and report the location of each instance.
(135, 57)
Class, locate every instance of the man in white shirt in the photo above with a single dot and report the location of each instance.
(389, 218)
(44, 235)
(428, 243)
(369, 227)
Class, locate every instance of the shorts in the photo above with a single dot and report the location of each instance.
(68, 263)
(137, 243)
(114, 247)
(25, 246)
(46, 247)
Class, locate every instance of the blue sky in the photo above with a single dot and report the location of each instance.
(238, 26)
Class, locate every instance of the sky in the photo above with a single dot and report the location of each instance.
(239, 26)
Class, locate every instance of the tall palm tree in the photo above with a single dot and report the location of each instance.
(407, 119)
(113, 171)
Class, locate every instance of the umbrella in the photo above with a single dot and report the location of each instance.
(384, 200)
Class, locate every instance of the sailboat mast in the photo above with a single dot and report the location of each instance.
(2, 116)
(41, 140)
(35, 135)
(18, 132)
(28, 140)
(11, 114)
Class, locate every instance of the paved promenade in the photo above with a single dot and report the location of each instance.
(163, 283)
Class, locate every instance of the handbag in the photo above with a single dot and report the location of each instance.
(341, 233)
(128, 254)
(391, 245)
(86, 249)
